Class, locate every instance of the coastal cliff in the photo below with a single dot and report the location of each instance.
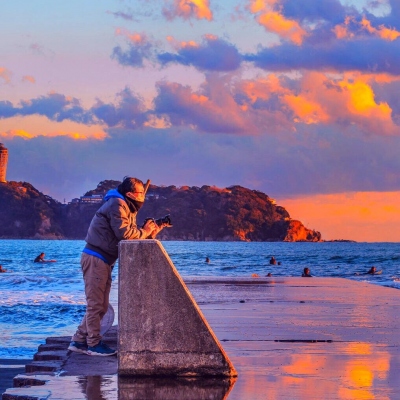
(204, 213)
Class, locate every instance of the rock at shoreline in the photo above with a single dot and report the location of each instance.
(204, 213)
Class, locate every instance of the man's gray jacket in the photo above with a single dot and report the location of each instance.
(112, 223)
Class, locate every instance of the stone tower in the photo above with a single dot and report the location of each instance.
(3, 162)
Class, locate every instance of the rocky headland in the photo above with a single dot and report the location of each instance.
(204, 213)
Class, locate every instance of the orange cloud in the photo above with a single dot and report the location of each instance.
(16, 132)
(361, 101)
(360, 216)
(31, 127)
(135, 37)
(199, 9)
(189, 44)
(283, 27)
(318, 98)
(28, 78)
(177, 45)
(5, 74)
(73, 135)
(348, 29)
(381, 31)
(263, 87)
(306, 111)
(342, 31)
(274, 21)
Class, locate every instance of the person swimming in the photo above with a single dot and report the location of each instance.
(306, 273)
(207, 260)
(272, 260)
(372, 271)
(2, 269)
(39, 258)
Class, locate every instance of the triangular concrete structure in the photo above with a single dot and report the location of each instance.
(161, 328)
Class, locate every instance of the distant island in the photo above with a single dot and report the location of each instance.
(204, 213)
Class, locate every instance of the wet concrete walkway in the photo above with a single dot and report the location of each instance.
(288, 338)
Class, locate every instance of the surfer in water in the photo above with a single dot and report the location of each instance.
(40, 258)
(371, 271)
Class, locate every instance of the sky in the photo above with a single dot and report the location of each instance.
(297, 99)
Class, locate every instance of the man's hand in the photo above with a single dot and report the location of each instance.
(150, 227)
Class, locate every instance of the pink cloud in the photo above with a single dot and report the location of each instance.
(28, 78)
(5, 74)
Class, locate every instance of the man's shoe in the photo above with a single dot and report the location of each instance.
(78, 347)
(101, 349)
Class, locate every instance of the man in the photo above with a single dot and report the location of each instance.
(114, 221)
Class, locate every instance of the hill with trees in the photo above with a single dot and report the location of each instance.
(204, 213)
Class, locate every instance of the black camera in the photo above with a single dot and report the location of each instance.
(161, 221)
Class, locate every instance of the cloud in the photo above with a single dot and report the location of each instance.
(139, 49)
(213, 54)
(269, 15)
(54, 106)
(130, 112)
(128, 16)
(370, 55)
(392, 19)
(352, 28)
(32, 126)
(314, 11)
(5, 74)
(271, 104)
(186, 9)
(75, 135)
(28, 78)
(215, 109)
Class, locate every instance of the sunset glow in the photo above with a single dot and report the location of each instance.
(360, 216)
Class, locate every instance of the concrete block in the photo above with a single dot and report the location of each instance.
(161, 328)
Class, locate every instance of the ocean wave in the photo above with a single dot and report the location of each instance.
(41, 314)
(336, 258)
(229, 268)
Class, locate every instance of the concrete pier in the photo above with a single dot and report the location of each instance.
(289, 338)
(162, 331)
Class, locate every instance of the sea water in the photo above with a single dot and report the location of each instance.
(38, 300)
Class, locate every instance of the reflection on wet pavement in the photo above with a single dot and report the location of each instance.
(174, 389)
(304, 371)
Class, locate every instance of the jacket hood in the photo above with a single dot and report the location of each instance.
(113, 193)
